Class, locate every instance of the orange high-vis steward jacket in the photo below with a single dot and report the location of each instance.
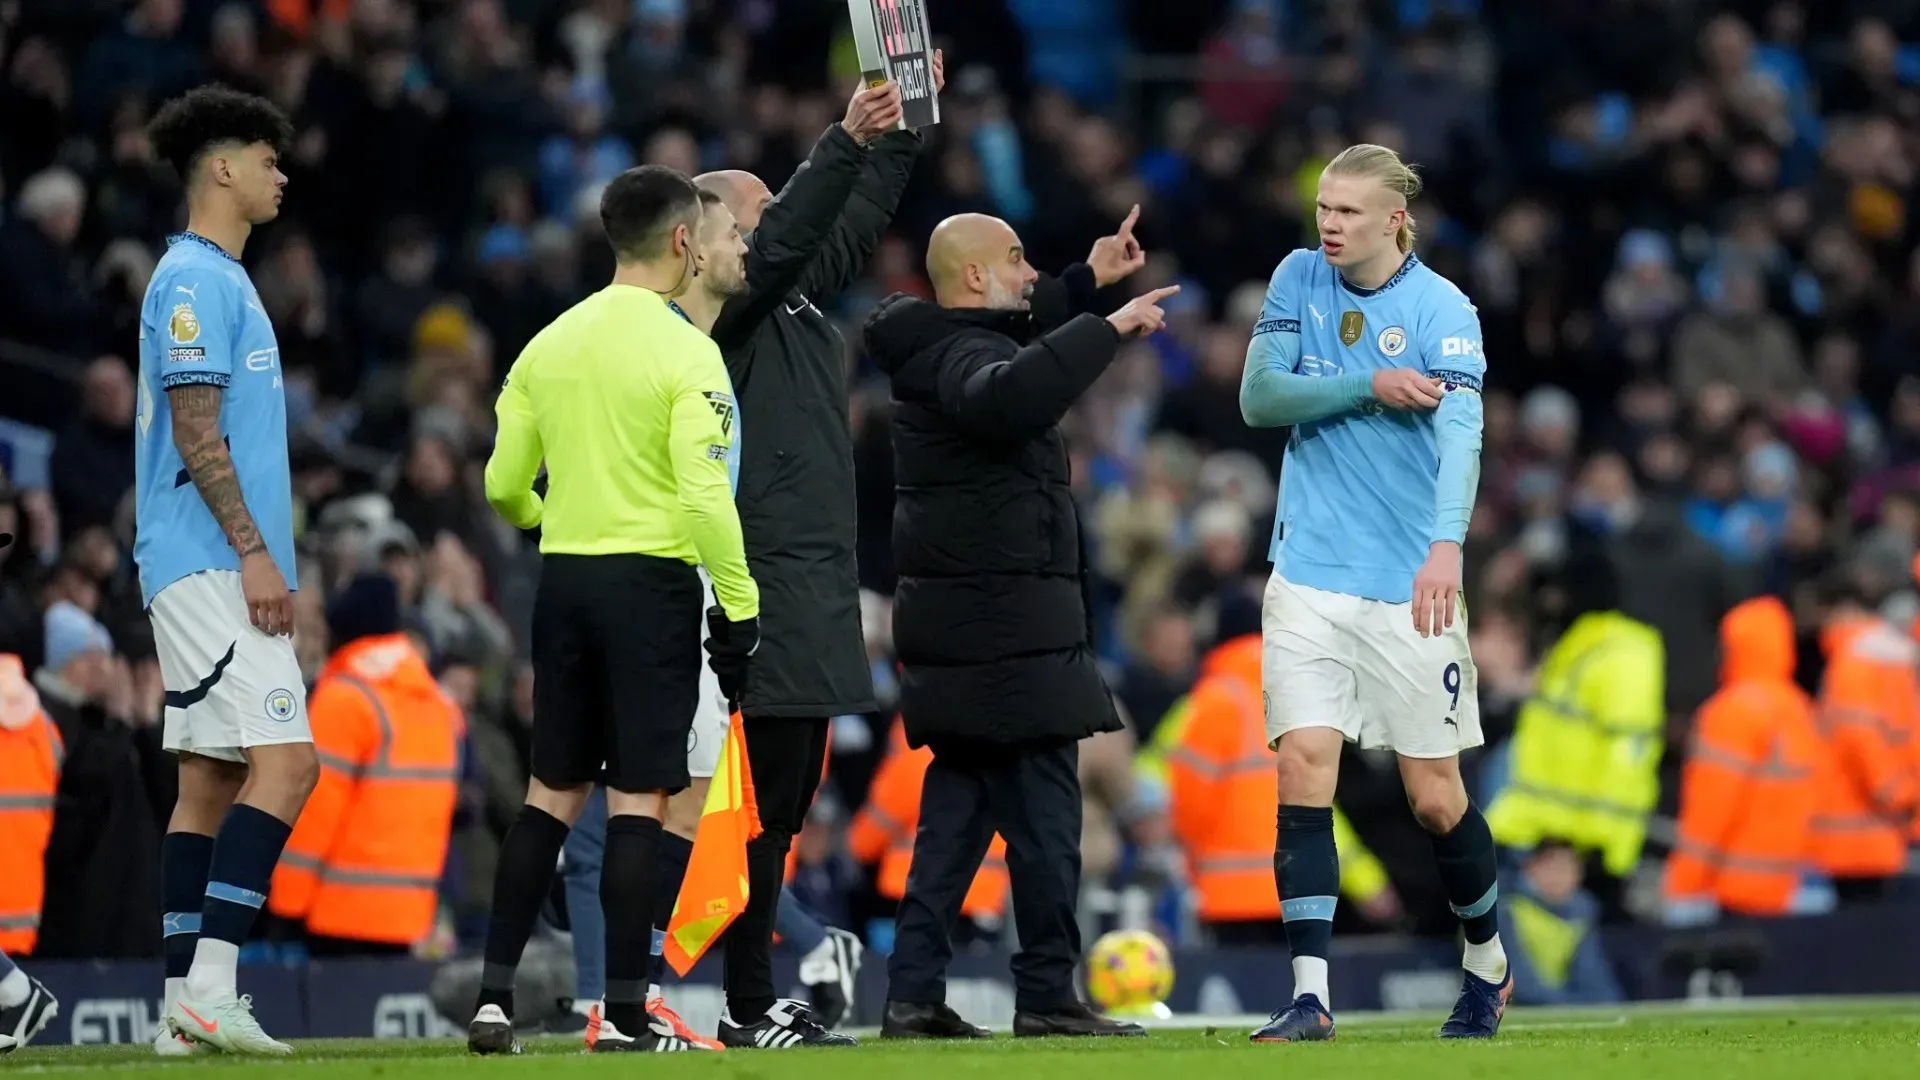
(30, 756)
(883, 831)
(1748, 792)
(1224, 785)
(365, 858)
(1868, 712)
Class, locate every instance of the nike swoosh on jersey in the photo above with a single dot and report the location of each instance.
(186, 699)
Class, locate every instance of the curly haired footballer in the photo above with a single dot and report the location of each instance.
(213, 116)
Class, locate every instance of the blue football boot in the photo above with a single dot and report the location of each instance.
(1306, 1020)
(1477, 1014)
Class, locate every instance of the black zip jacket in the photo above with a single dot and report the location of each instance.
(789, 369)
(991, 615)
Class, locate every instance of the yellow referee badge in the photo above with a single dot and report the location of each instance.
(1352, 323)
(184, 327)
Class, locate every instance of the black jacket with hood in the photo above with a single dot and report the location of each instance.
(789, 370)
(991, 615)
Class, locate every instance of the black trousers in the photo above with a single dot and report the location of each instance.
(786, 756)
(1032, 799)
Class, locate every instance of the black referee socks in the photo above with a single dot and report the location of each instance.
(528, 857)
(629, 890)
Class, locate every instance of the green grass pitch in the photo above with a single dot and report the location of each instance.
(1831, 1040)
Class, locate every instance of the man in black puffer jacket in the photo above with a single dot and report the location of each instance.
(990, 617)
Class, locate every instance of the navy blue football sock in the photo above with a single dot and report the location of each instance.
(239, 871)
(1306, 869)
(185, 860)
(1468, 870)
(675, 852)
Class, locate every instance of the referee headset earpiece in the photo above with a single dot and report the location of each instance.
(689, 266)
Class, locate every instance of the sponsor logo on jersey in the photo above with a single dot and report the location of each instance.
(723, 408)
(1393, 341)
(1459, 346)
(1352, 324)
(184, 326)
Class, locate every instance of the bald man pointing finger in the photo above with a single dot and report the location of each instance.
(991, 617)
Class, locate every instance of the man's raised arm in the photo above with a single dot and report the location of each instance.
(794, 227)
(863, 223)
(864, 220)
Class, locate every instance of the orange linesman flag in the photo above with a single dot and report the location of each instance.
(714, 892)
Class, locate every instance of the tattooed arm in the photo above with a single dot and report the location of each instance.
(196, 434)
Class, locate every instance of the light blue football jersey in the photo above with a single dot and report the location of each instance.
(1357, 490)
(202, 322)
(733, 449)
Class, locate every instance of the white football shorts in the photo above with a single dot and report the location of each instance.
(710, 715)
(1332, 660)
(229, 685)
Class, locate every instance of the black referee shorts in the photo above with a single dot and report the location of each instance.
(616, 670)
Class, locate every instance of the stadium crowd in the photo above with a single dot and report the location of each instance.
(1686, 228)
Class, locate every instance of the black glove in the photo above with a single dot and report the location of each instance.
(729, 644)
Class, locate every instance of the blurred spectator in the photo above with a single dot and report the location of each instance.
(44, 298)
(1586, 749)
(586, 155)
(1666, 577)
(1161, 669)
(1736, 340)
(362, 867)
(101, 895)
(92, 463)
(1867, 798)
(1550, 925)
(20, 630)
(824, 872)
(145, 54)
(1751, 784)
(1206, 411)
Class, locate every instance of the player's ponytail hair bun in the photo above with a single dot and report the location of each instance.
(1381, 163)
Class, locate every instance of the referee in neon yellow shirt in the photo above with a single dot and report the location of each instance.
(631, 408)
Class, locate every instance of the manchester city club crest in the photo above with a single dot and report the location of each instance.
(1393, 341)
(1351, 325)
(281, 706)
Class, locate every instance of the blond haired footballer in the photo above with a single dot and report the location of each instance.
(1375, 362)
